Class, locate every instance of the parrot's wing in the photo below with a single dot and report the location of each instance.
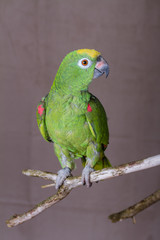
(97, 121)
(41, 118)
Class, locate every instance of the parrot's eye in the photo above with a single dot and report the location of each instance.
(84, 63)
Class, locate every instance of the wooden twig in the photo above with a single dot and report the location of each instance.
(73, 182)
(41, 174)
(18, 219)
(135, 209)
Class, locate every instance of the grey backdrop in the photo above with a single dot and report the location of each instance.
(35, 35)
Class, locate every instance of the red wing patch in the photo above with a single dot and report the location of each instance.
(40, 109)
(89, 109)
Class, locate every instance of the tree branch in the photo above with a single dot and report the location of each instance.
(73, 182)
(138, 207)
(18, 219)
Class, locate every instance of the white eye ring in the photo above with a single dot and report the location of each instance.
(84, 63)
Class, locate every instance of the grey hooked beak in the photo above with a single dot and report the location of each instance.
(101, 67)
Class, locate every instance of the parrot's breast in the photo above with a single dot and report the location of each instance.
(67, 124)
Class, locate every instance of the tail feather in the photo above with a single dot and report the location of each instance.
(102, 163)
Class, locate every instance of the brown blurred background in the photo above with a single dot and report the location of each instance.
(35, 35)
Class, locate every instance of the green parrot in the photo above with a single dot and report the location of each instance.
(73, 119)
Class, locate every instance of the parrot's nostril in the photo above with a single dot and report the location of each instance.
(99, 58)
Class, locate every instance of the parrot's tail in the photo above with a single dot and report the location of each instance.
(102, 163)
(107, 163)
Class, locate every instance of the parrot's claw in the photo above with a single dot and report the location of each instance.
(62, 175)
(86, 176)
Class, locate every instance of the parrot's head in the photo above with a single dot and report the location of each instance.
(78, 69)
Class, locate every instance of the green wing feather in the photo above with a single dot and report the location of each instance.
(97, 121)
(41, 118)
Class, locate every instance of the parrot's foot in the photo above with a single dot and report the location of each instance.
(62, 175)
(86, 175)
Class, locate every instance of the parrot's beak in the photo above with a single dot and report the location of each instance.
(101, 67)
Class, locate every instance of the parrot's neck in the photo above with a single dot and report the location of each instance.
(77, 96)
(68, 90)
(64, 84)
